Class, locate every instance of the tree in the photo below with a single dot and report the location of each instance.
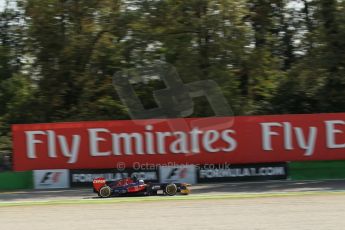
(315, 81)
(15, 87)
(72, 42)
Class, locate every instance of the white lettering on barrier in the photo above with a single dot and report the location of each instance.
(131, 143)
(152, 142)
(306, 142)
(71, 153)
(331, 131)
(94, 139)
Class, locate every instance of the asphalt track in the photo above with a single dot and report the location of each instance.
(240, 188)
(259, 206)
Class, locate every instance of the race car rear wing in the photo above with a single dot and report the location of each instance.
(98, 183)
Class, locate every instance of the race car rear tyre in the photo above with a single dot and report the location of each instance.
(105, 192)
(171, 189)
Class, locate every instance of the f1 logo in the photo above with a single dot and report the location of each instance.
(50, 177)
(178, 172)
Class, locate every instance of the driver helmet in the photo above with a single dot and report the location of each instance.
(135, 178)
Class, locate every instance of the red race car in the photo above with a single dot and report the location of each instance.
(135, 187)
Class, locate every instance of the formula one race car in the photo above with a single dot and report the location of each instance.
(135, 187)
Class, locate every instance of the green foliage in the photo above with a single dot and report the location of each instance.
(57, 57)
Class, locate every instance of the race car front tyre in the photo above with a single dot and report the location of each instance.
(105, 192)
(171, 189)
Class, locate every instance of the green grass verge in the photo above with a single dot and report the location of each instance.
(165, 198)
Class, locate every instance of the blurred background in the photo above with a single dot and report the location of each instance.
(57, 57)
